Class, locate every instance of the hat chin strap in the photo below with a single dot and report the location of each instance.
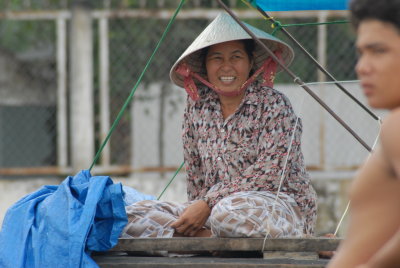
(268, 69)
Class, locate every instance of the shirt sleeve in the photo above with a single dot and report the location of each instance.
(265, 173)
(195, 180)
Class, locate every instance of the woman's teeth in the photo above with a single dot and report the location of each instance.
(227, 78)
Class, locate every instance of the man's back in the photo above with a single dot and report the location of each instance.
(375, 200)
(373, 237)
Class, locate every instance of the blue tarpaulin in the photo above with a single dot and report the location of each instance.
(291, 5)
(59, 226)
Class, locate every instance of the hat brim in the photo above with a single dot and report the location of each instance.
(223, 29)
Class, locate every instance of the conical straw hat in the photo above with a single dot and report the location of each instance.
(222, 29)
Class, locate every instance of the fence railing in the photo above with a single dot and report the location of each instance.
(90, 60)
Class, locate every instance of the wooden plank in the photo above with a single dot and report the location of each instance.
(290, 255)
(227, 244)
(201, 262)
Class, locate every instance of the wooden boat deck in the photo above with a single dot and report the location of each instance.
(234, 252)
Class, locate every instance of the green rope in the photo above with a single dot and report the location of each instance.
(170, 181)
(128, 100)
(277, 25)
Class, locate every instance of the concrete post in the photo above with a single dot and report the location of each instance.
(81, 91)
(104, 60)
(322, 59)
(62, 110)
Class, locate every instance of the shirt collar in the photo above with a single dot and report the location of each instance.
(209, 95)
(251, 96)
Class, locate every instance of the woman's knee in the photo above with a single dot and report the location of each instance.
(253, 215)
(227, 221)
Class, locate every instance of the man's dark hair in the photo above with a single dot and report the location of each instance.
(382, 10)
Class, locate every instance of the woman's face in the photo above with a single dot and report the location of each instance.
(228, 65)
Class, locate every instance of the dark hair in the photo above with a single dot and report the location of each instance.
(382, 10)
(249, 47)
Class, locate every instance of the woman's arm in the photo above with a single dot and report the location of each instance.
(194, 168)
(195, 216)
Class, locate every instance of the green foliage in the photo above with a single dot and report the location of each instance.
(21, 36)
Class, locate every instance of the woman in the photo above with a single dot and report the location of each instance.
(245, 170)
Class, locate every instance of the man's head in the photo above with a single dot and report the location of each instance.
(378, 44)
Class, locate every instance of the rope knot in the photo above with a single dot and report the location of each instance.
(276, 24)
(189, 85)
(183, 70)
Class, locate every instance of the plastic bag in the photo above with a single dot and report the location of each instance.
(59, 226)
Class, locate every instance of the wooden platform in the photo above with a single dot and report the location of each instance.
(233, 252)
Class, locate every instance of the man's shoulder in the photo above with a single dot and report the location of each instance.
(391, 124)
(395, 113)
(390, 138)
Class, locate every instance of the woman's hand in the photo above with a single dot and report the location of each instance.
(192, 219)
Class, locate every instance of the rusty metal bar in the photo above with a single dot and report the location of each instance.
(64, 171)
(116, 170)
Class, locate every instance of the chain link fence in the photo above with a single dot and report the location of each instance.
(148, 134)
(27, 95)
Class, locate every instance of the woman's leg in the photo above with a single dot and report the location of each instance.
(152, 218)
(256, 214)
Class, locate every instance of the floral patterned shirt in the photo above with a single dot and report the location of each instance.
(246, 151)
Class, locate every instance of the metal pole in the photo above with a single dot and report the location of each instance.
(295, 78)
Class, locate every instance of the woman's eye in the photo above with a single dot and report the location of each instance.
(216, 58)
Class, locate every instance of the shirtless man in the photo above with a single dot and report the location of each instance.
(373, 237)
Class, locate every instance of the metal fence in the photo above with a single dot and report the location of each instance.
(36, 129)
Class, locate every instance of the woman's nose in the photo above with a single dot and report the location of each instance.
(226, 65)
